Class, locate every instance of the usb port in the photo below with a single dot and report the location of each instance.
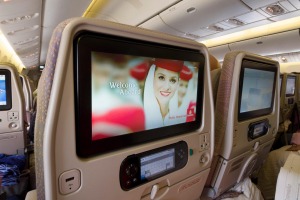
(69, 179)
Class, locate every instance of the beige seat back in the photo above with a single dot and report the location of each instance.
(288, 95)
(243, 136)
(215, 72)
(298, 92)
(26, 91)
(12, 111)
(66, 171)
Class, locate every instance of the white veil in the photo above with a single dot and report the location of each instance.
(151, 107)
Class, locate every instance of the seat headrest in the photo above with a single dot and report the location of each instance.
(214, 63)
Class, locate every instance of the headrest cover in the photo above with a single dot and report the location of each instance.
(172, 65)
(186, 74)
(214, 63)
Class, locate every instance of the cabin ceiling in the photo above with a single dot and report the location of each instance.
(28, 24)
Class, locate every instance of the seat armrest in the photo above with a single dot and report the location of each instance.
(2, 195)
(31, 195)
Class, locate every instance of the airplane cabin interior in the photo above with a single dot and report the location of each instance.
(149, 100)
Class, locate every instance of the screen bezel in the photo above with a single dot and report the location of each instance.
(280, 81)
(257, 65)
(86, 42)
(7, 75)
(251, 129)
(287, 78)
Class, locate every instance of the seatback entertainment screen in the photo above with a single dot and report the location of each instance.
(132, 93)
(257, 82)
(290, 86)
(129, 92)
(5, 90)
(3, 100)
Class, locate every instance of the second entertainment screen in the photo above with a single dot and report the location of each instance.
(2, 90)
(257, 90)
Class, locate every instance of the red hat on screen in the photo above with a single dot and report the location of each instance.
(172, 65)
(186, 74)
(140, 71)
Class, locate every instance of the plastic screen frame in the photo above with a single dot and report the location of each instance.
(7, 75)
(257, 65)
(86, 42)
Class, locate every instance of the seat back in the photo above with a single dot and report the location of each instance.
(28, 97)
(280, 87)
(288, 96)
(246, 119)
(26, 92)
(298, 92)
(12, 111)
(31, 89)
(215, 72)
(66, 170)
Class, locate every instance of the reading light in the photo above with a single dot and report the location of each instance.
(275, 9)
(283, 59)
(32, 60)
(215, 28)
(23, 30)
(235, 22)
(30, 54)
(274, 27)
(19, 19)
(28, 40)
(190, 35)
(191, 10)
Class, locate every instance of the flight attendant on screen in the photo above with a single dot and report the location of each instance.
(185, 90)
(161, 93)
